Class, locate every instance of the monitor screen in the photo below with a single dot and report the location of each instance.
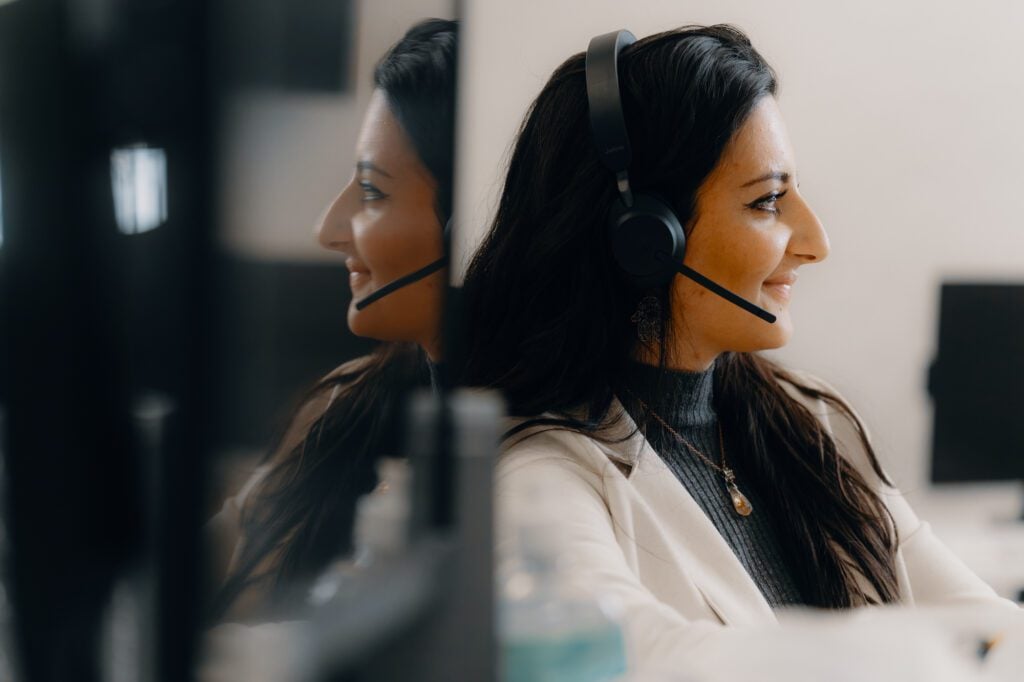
(977, 384)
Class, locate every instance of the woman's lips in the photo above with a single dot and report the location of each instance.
(781, 286)
(358, 275)
(358, 279)
(778, 291)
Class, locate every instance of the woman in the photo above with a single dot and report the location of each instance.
(696, 481)
(296, 512)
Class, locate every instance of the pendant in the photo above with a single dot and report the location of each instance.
(739, 501)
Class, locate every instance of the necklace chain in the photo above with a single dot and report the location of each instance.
(722, 469)
(739, 500)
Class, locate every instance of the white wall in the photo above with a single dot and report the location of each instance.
(285, 156)
(907, 122)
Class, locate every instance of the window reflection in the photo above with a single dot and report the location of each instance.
(139, 178)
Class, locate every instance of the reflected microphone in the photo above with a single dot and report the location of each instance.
(412, 277)
(394, 286)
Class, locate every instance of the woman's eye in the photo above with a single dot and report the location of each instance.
(768, 203)
(370, 192)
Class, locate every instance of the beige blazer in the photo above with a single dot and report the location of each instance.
(642, 540)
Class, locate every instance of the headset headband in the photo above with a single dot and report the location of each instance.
(606, 120)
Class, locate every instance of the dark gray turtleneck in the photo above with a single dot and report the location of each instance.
(685, 401)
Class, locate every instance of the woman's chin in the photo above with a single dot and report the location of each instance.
(779, 332)
(358, 323)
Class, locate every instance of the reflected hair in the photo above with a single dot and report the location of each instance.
(300, 515)
(418, 77)
(551, 312)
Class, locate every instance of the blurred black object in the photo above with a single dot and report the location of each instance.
(977, 383)
(82, 283)
(427, 614)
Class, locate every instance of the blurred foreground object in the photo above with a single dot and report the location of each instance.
(105, 286)
(549, 628)
(411, 606)
(884, 644)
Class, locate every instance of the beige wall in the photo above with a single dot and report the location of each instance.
(907, 122)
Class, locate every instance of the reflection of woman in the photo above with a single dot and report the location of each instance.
(296, 513)
(647, 409)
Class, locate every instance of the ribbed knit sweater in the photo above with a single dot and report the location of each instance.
(685, 400)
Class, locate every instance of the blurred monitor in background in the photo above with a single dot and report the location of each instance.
(977, 384)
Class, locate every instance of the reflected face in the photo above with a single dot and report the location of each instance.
(752, 232)
(385, 225)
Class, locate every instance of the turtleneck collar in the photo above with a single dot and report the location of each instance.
(683, 399)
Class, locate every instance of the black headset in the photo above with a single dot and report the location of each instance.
(646, 236)
(641, 226)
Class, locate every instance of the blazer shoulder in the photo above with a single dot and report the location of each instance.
(555, 450)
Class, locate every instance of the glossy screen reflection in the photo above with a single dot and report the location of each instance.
(138, 177)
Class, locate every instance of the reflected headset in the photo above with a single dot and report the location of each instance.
(646, 237)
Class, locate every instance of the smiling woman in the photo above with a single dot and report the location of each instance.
(695, 482)
(387, 224)
(751, 231)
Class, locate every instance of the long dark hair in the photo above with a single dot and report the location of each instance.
(551, 315)
(300, 514)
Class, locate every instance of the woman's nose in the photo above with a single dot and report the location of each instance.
(809, 241)
(334, 231)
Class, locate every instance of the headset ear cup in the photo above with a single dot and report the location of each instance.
(639, 233)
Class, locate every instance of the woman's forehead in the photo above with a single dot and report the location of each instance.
(382, 140)
(759, 148)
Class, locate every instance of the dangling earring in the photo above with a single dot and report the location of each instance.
(647, 319)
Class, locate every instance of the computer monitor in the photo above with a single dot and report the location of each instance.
(977, 384)
(106, 127)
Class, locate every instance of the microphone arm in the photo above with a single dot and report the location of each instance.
(716, 288)
(401, 282)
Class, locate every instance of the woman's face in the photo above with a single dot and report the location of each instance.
(751, 233)
(384, 223)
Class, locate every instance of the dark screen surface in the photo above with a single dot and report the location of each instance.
(977, 384)
(104, 322)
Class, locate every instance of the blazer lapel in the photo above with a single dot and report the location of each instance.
(710, 562)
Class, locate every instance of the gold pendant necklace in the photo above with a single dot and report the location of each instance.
(739, 501)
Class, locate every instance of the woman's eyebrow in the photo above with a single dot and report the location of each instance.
(370, 166)
(773, 175)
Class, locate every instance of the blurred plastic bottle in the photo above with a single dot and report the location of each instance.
(380, 531)
(550, 631)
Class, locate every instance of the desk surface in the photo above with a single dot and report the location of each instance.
(980, 523)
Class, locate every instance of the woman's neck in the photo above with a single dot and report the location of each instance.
(681, 358)
(684, 399)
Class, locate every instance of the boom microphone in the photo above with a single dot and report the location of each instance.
(716, 288)
(425, 271)
(394, 286)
